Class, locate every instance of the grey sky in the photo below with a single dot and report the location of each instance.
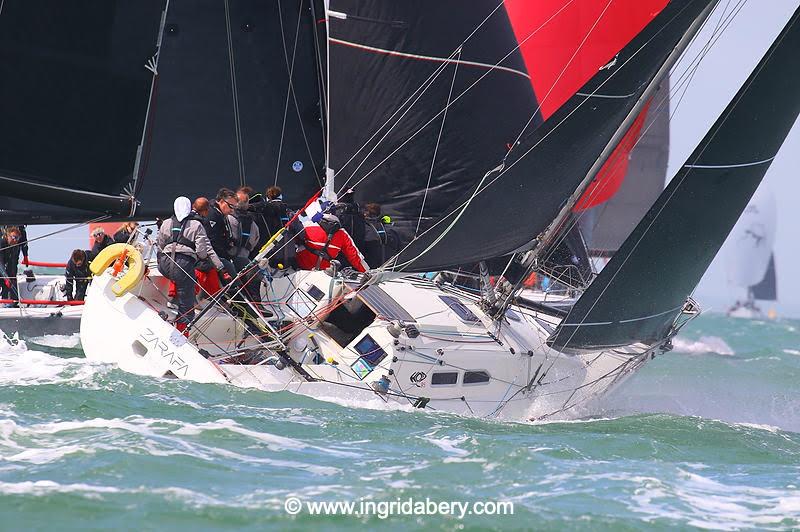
(722, 72)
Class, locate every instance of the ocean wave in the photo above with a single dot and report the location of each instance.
(704, 502)
(20, 366)
(50, 442)
(705, 344)
(70, 341)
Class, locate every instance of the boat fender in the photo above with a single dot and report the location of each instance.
(135, 266)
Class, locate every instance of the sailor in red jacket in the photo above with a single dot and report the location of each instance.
(324, 241)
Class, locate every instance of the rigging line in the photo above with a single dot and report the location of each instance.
(300, 117)
(683, 83)
(289, 87)
(321, 77)
(212, 298)
(435, 59)
(724, 119)
(235, 96)
(501, 168)
(560, 75)
(439, 70)
(658, 214)
(59, 231)
(438, 140)
(459, 47)
(465, 91)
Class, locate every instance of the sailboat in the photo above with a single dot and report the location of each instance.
(430, 122)
(751, 259)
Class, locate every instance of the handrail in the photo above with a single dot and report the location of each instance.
(44, 264)
(46, 302)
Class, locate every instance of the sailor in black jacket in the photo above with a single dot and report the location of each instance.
(221, 236)
(77, 276)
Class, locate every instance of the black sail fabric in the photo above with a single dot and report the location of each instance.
(640, 292)
(197, 144)
(394, 66)
(767, 289)
(606, 226)
(194, 143)
(512, 206)
(74, 97)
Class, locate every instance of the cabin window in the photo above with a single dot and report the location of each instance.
(315, 292)
(371, 355)
(444, 378)
(460, 309)
(348, 320)
(476, 377)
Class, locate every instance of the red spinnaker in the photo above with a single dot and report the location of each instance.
(592, 31)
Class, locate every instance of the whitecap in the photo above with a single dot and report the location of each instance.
(706, 344)
(58, 340)
(448, 445)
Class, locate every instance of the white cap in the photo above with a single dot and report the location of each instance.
(182, 206)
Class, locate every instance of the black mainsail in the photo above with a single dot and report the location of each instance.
(223, 109)
(639, 294)
(424, 98)
(74, 97)
(767, 288)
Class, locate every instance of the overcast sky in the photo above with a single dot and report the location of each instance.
(721, 75)
(722, 72)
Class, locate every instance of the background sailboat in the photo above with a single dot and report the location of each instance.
(751, 257)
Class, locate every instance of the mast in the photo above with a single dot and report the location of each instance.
(330, 183)
(558, 225)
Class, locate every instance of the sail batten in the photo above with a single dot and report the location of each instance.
(664, 258)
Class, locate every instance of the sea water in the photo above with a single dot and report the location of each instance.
(707, 436)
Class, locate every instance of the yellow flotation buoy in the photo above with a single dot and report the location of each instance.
(120, 252)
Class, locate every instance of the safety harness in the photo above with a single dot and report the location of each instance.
(178, 237)
(330, 227)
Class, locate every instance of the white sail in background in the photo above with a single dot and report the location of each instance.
(752, 241)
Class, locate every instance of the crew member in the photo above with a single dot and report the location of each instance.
(381, 241)
(10, 245)
(220, 233)
(77, 276)
(201, 206)
(324, 240)
(123, 234)
(101, 242)
(245, 239)
(182, 241)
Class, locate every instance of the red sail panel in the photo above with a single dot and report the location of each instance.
(560, 62)
(610, 177)
(551, 38)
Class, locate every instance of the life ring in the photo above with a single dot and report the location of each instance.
(135, 266)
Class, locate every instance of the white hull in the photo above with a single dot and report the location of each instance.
(34, 320)
(747, 311)
(514, 374)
